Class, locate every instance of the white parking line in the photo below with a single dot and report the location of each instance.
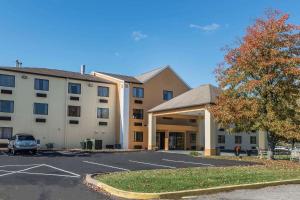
(19, 165)
(109, 166)
(24, 171)
(157, 165)
(187, 162)
(14, 172)
(76, 175)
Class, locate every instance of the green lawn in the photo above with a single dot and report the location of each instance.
(194, 178)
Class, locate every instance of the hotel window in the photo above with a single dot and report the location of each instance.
(138, 136)
(138, 114)
(193, 138)
(7, 80)
(40, 108)
(221, 139)
(238, 139)
(6, 106)
(6, 132)
(74, 88)
(167, 95)
(103, 113)
(74, 111)
(252, 139)
(103, 91)
(41, 84)
(138, 92)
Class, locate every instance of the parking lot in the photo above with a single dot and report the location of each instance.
(59, 175)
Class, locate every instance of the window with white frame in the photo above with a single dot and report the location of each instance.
(6, 132)
(138, 136)
(41, 84)
(103, 91)
(238, 139)
(7, 80)
(6, 106)
(253, 140)
(138, 92)
(221, 139)
(40, 108)
(74, 111)
(103, 113)
(138, 114)
(74, 88)
(167, 95)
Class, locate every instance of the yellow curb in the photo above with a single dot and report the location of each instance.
(175, 195)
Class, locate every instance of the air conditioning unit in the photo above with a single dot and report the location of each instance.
(24, 77)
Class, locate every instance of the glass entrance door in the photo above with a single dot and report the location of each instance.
(160, 140)
(176, 141)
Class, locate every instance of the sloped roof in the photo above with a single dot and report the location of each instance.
(151, 74)
(148, 75)
(55, 73)
(204, 94)
(143, 77)
(129, 79)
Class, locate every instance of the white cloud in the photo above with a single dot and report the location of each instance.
(206, 28)
(138, 35)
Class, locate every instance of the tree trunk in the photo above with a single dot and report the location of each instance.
(293, 143)
(272, 141)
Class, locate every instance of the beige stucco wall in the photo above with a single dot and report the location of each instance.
(57, 129)
(153, 96)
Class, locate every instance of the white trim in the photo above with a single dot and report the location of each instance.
(106, 76)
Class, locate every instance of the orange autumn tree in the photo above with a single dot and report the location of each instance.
(260, 81)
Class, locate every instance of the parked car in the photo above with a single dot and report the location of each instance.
(281, 148)
(22, 142)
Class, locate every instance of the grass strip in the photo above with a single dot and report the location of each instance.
(169, 180)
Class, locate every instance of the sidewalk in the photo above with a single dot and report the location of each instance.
(290, 192)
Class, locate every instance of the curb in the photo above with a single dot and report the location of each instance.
(175, 195)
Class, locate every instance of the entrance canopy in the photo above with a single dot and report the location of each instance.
(192, 106)
(202, 95)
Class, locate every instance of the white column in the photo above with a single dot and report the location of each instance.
(124, 112)
(151, 131)
(262, 140)
(210, 134)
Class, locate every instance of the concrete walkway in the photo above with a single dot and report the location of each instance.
(284, 192)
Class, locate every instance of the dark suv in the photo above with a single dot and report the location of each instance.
(22, 142)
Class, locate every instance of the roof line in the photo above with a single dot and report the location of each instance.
(103, 74)
(179, 77)
(161, 68)
(52, 75)
(120, 79)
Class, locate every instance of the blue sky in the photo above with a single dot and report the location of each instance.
(128, 36)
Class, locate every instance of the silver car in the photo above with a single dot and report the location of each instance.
(22, 142)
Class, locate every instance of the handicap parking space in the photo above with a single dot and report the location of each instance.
(60, 170)
(35, 169)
